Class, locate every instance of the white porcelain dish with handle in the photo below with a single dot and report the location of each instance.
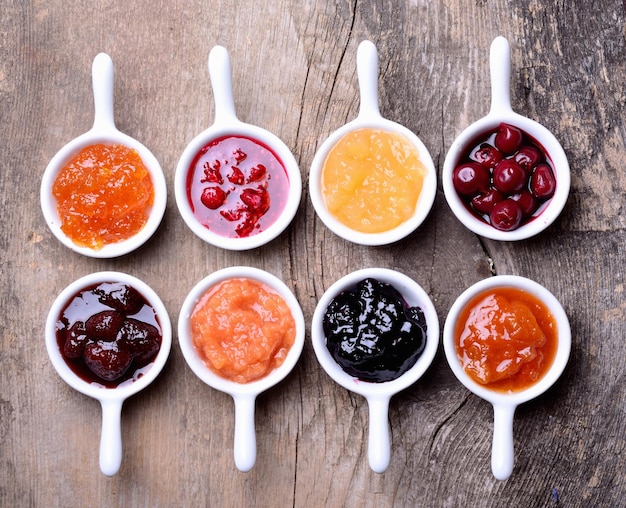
(226, 124)
(502, 112)
(244, 394)
(377, 395)
(505, 404)
(104, 132)
(111, 399)
(369, 117)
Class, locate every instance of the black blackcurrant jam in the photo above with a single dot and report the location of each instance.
(372, 333)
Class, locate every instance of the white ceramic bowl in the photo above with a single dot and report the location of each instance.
(501, 112)
(504, 404)
(227, 124)
(105, 132)
(377, 395)
(369, 117)
(243, 394)
(111, 399)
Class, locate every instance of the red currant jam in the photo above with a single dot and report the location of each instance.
(108, 334)
(237, 186)
(372, 333)
(505, 178)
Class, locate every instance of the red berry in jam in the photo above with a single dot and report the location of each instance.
(212, 173)
(470, 177)
(106, 360)
(120, 297)
(246, 227)
(527, 201)
(528, 157)
(506, 215)
(487, 155)
(104, 325)
(542, 182)
(257, 173)
(239, 155)
(257, 200)
(508, 139)
(509, 177)
(483, 203)
(232, 215)
(75, 340)
(213, 197)
(235, 176)
(140, 339)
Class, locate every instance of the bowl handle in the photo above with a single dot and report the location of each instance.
(102, 80)
(245, 435)
(500, 72)
(379, 441)
(502, 452)
(220, 72)
(111, 437)
(367, 71)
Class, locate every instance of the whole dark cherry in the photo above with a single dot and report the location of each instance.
(509, 177)
(527, 157)
(506, 215)
(508, 139)
(484, 202)
(487, 155)
(470, 178)
(542, 182)
(527, 201)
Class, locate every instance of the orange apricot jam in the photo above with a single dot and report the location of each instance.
(242, 329)
(506, 339)
(372, 180)
(104, 195)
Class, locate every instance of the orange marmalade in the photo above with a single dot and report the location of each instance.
(242, 329)
(372, 180)
(506, 339)
(104, 195)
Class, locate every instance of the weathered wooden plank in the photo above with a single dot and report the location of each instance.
(294, 73)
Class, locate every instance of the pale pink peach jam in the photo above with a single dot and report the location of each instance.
(242, 329)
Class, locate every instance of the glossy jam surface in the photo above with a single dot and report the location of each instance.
(506, 339)
(372, 180)
(104, 195)
(242, 329)
(237, 186)
(109, 334)
(505, 178)
(372, 333)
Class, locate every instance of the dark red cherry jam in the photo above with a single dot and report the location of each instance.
(505, 178)
(372, 333)
(108, 334)
(237, 186)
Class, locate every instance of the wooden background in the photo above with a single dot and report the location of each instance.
(294, 74)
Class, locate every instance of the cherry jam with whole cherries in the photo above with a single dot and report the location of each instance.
(108, 334)
(505, 178)
(237, 186)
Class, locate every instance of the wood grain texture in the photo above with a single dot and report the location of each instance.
(294, 74)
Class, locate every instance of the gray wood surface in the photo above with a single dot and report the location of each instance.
(294, 74)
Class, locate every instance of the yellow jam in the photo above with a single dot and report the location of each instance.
(372, 180)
